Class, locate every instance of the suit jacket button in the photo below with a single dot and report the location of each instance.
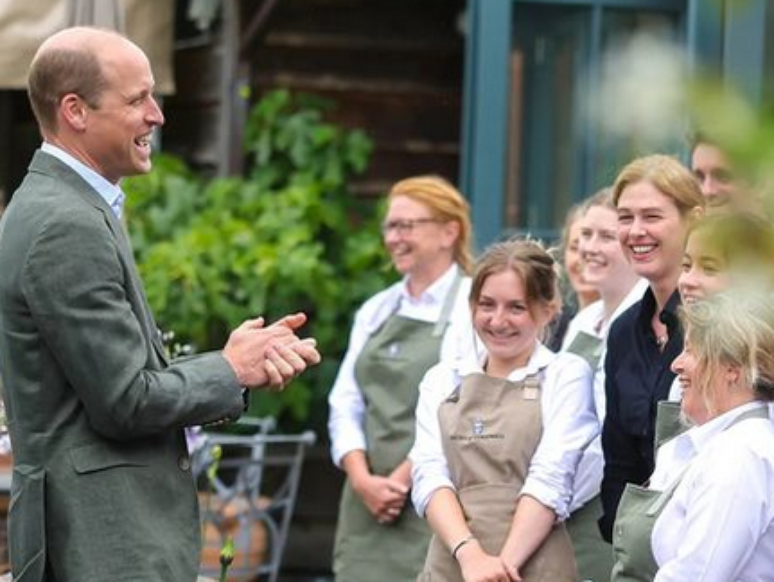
(184, 463)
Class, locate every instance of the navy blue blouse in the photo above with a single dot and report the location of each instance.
(637, 377)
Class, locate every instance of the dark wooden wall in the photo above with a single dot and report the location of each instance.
(393, 67)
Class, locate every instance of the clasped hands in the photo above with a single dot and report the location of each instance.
(479, 566)
(269, 356)
(385, 497)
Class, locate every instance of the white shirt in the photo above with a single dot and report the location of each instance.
(569, 424)
(588, 477)
(719, 524)
(347, 406)
(111, 193)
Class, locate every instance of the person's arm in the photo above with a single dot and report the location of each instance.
(569, 425)
(347, 409)
(531, 525)
(86, 298)
(447, 520)
(429, 470)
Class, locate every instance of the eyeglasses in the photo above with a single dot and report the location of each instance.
(404, 227)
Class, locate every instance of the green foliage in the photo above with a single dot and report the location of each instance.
(287, 237)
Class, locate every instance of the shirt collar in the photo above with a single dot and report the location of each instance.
(435, 293)
(541, 357)
(695, 439)
(109, 192)
(668, 315)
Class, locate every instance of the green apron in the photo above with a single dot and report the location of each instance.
(587, 346)
(491, 428)
(669, 423)
(637, 513)
(593, 554)
(388, 372)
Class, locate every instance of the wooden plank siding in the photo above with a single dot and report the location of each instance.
(393, 68)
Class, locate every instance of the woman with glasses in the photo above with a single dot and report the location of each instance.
(397, 335)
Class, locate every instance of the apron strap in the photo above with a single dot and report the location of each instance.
(663, 499)
(448, 305)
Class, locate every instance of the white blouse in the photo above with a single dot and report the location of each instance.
(719, 524)
(569, 424)
(347, 407)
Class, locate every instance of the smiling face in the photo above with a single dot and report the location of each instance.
(605, 266)
(695, 386)
(651, 232)
(573, 264)
(506, 323)
(419, 245)
(704, 271)
(117, 132)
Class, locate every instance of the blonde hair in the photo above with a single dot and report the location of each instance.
(732, 328)
(446, 204)
(528, 259)
(667, 175)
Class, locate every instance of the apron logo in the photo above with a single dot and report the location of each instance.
(393, 349)
(478, 427)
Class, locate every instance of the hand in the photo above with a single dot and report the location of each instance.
(249, 346)
(513, 572)
(383, 497)
(478, 566)
(284, 363)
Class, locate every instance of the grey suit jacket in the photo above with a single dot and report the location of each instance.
(102, 489)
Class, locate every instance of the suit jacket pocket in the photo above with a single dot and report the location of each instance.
(26, 524)
(100, 456)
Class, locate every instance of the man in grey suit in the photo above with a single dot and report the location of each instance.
(102, 489)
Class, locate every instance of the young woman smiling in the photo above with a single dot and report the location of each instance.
(619, 286)
(657, 200)
(499, 437)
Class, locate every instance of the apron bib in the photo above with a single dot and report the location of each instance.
(588, 347)
(634, 521)
(593, 555)
(668, 422)
(491, 428)
(388, 372)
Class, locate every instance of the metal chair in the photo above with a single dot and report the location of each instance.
(248, 494)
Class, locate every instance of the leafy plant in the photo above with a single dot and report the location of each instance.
(289, 236)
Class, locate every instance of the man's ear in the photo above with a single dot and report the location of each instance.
(73, 111)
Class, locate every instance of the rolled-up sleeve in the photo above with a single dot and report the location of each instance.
(429, 470)
(569, 425)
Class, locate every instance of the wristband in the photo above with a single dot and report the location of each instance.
(461, 543)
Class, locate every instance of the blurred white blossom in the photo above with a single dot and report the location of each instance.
(643, 92)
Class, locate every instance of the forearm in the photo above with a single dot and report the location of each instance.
(446, 518)
(355, 465)
(531, 525)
